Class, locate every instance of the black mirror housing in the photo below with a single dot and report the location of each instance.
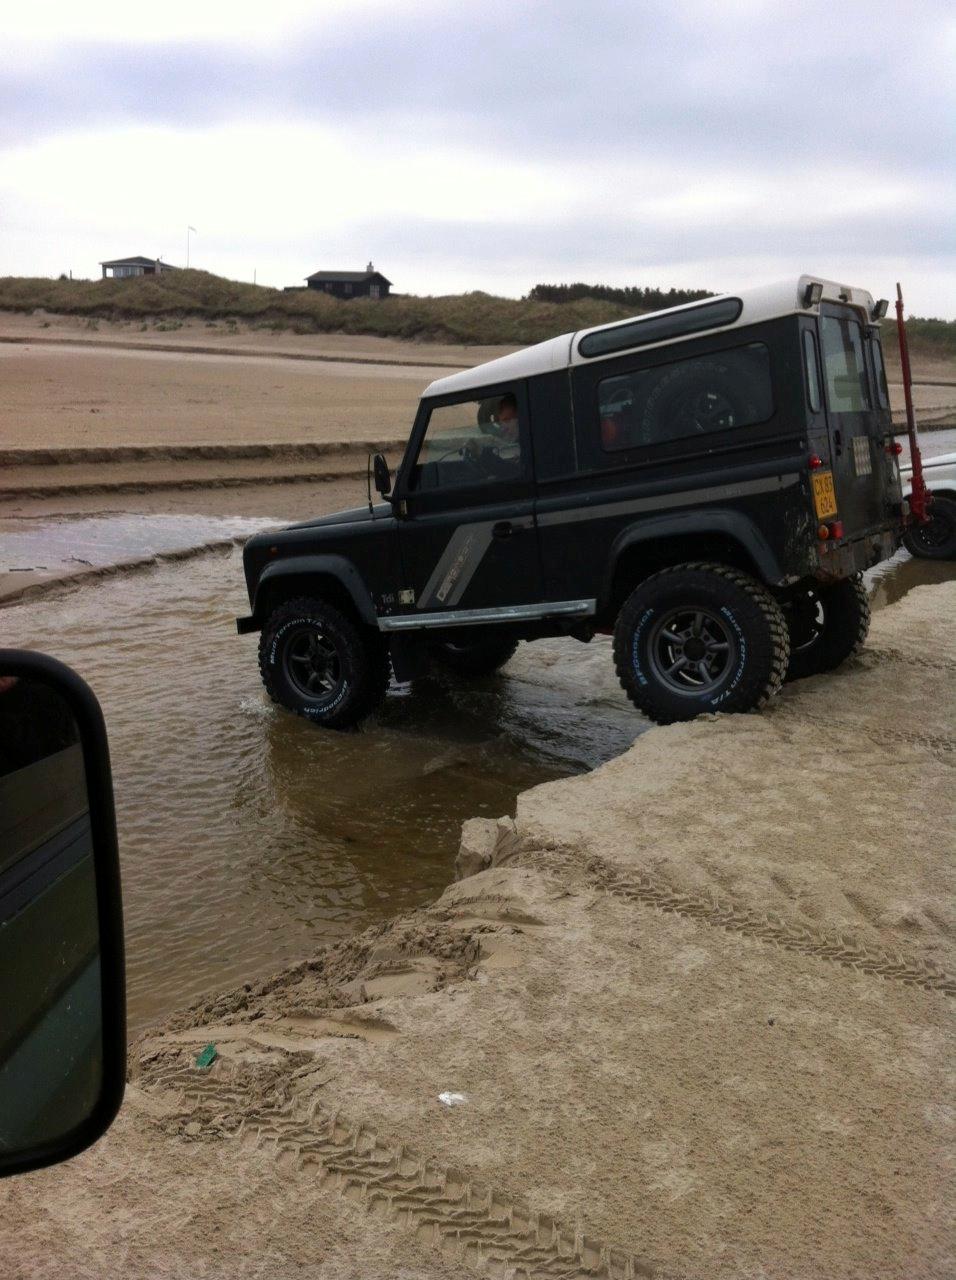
(383, 477)
(63, 1035)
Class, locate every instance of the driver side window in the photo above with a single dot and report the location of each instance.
(473, 442)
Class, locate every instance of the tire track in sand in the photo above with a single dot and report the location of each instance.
(473, 1224)
(835, 947)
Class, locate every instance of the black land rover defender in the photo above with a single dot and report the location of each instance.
(705, 483)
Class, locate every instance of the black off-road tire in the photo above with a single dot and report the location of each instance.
(828, 622)
(700, 397)
(739, 613)
(478, 658)
(343, 679)
(936, 540)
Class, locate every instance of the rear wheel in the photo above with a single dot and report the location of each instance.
(937, 539)
(321, 664)
(827, 622)
(475, 658)
(699, 638)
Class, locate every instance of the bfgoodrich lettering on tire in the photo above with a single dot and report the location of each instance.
(320, 664)
(699, 638)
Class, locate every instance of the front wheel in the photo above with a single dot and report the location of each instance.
(320, 664)
(699, 638)
(935, 540)
(828, 622)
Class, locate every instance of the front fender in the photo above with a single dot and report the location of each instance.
(315, 566)
(725, 523)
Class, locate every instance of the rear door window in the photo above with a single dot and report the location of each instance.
(879, 370)
(813, 376)
(848, 389)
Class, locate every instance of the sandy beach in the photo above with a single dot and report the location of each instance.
(688, 1014)
(681, 1016)
(68, 386)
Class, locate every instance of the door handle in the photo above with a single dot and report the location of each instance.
(503, 529)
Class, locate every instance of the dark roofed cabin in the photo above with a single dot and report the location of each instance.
(351, 284)
(121, 268)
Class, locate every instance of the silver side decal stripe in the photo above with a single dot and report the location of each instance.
(457, 564)
(666, 501)
(474, 617)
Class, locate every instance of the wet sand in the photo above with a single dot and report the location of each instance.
(689, 1013)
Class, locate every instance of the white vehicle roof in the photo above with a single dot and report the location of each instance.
(767, 302)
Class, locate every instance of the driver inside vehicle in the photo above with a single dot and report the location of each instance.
(503, 458)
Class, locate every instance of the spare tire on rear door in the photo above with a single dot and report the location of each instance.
(698, 397)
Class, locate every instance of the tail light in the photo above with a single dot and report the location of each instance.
(814, 462)
(823, 532)
(895, 448)
(835, 528)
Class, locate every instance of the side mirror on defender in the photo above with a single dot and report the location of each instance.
(383, 477)
(62, 985)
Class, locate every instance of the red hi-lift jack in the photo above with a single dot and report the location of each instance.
(920, 497)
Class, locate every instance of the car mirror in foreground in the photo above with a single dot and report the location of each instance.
(63, 1020)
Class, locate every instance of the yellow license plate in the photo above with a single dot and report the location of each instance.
(824, 495)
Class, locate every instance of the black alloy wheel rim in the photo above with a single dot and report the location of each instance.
(691, 651)
(706, 411)
(312, 662)
(936, 534)
(807, 620)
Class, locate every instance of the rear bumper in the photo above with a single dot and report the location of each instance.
(855, 555)
(247, 624)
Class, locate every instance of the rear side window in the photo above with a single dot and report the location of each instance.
(813, 376)
(848, 390)
(882, 391)
(687, 398)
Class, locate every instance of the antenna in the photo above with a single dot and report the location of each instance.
(368, 483)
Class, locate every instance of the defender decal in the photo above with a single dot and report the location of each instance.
(459, 562)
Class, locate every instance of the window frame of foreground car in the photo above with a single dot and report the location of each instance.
(82, 702)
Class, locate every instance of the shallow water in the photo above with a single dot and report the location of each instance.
(248, 837)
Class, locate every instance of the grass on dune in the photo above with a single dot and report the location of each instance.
(470, 318)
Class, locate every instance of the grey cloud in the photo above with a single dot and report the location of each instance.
(639, 243)
(813, 83)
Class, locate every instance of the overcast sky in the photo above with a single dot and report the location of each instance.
(487, 145)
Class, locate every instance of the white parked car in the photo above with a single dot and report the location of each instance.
(936, 540)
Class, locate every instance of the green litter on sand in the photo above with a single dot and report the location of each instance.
(207, 1057)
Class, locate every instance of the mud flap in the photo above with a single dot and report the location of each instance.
(409, 657)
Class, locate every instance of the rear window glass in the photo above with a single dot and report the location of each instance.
(848, 390)
(813, 376)
(688, 398)
(658, 328)
(882, 391)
